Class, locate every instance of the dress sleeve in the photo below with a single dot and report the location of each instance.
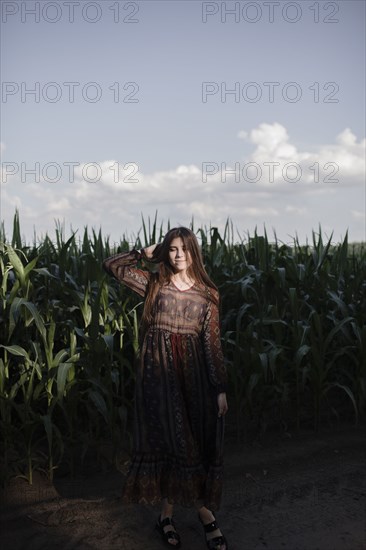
(213, 350)
(123, 268)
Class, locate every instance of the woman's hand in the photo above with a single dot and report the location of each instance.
(222, 404)
(149, 251)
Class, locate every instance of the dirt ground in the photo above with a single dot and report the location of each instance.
(299, 492)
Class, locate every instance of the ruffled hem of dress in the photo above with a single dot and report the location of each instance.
(152, 478)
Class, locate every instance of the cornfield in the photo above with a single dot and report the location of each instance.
(293, 333)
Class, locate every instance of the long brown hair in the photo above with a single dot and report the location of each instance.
(196, 271)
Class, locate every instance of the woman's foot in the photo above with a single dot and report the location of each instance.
(215, 540)
(168, 533)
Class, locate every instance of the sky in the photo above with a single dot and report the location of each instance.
(250, 111)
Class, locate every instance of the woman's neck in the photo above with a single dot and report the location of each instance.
(182, 279)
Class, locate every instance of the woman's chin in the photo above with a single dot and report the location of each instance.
(179, 267)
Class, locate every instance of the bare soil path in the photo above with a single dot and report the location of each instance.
(305, 492)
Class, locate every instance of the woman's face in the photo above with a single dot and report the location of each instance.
(179, 258)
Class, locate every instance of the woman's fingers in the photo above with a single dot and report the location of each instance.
(222, 404)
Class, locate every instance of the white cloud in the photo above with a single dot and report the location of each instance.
(260, 212)
(348, 139)
(358, 215)
(337, 164)
(242, 134)
(295, 210)
(123, 192)
(59, 207)
(272, 138)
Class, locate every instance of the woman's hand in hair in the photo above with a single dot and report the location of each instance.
(150, 252)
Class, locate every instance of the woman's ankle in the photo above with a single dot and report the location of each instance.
(206, 515)
(166, 510)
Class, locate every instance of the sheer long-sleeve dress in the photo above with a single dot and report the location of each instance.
(178, 437)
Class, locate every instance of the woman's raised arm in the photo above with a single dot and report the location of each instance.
(123, 267)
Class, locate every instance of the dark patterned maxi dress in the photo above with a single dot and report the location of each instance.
(178, 437)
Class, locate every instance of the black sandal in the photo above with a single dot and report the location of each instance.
(217, 542)
(166, 535)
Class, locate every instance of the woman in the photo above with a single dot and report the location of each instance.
(180, 398)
